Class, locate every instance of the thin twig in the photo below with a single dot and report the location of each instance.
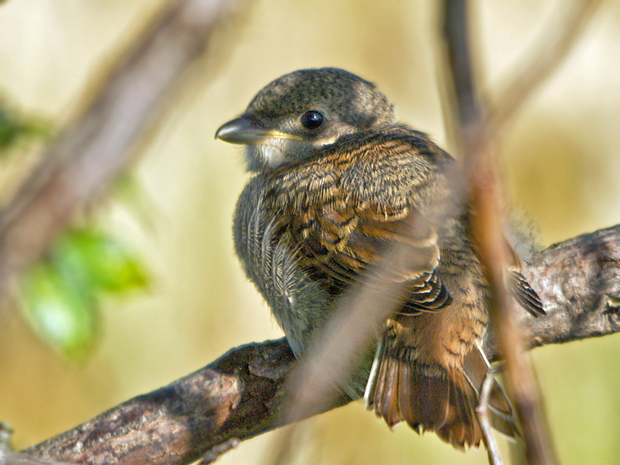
(557, 41)
(488, 234)
(482, 410)
(479, 155)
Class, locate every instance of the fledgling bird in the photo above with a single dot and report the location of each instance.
(336, 181)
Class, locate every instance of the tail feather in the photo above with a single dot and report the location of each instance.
(408, 410)
(431, 398)
(461, 428)
(427, 394)
(389, 402)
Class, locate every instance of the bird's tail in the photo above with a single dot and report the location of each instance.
(430, 398)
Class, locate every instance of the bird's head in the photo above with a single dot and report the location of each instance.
(299, 113)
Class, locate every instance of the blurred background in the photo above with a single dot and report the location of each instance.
(562, 167)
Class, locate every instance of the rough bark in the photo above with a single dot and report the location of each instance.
(240, 395)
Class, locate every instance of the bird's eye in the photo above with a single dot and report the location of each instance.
(312, 119)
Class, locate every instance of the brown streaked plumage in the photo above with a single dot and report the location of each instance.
(337, 181)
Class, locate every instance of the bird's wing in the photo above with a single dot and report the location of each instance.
(518, 286)
(340, 241)
(339, 233)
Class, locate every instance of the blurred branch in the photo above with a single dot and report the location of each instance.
(335, 350)
(479, 158)
(544, 59)
(241, 394)
(476, 138)
(100, 141)
(357, 317)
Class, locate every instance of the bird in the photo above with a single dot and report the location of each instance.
(335, 182)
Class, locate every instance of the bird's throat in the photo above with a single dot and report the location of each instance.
(261, 157)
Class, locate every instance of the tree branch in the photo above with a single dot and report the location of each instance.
(477, 144)
(240, 395)
(100, 141)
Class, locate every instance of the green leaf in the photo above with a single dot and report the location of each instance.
(65, 319)
(62, 295)
(14, 128)
(90, 258)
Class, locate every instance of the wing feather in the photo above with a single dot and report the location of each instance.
(338, 230)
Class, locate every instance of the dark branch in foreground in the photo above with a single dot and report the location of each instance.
(240, 395)
(91, 151)
(477, 144)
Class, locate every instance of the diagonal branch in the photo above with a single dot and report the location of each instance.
(546, 57)
(477, 143)
(100, 141)
(240, 395)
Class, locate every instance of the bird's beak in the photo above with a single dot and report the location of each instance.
(247, 131)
